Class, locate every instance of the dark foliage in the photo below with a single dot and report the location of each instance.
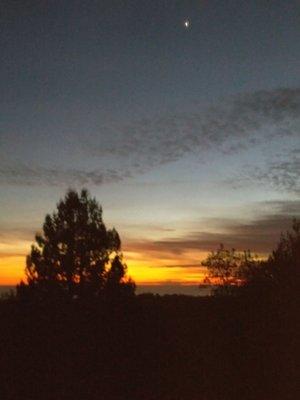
(76, 255)
(229, 269)
(282, 270)
(241, 272)
(149, 347)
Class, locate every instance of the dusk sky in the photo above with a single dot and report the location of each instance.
(188, 136)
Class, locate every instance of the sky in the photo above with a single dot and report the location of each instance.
(188, 136)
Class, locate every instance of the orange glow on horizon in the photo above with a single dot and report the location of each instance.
(11, 269)
(12, 261)
(147, 272)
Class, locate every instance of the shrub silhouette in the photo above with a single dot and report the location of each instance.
(76, 255)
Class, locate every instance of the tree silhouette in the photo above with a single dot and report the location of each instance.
(279, 273)
(228, 268)
(76, 255)
(116, 283)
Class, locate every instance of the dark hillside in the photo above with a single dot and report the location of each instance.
(171, 347)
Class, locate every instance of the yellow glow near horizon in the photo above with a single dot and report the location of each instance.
(151, 270)
(11, 269)
(12, 261)
(143, 272)
(143, 267)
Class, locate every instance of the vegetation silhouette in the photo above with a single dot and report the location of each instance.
(227, 269)
(237, 272)
(76, 256)
(98, 341)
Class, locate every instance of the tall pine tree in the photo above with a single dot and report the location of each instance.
(76, 254)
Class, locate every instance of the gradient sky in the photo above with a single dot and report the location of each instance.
(187, 137)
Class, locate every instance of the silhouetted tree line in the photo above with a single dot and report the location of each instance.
(75, 329)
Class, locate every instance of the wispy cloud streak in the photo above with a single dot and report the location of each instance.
(259, 235)
(234, 124)
(30, 176)
(231, 126)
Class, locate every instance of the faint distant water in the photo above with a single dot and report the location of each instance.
(6, 289)
(188, 290)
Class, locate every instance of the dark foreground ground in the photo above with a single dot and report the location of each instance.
(150, 348)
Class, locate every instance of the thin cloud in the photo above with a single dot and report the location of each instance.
(198, 266)
(31, 176)
(260, 235)
(282, 174)
(5, 254)
(9, 235)
(236, 124)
